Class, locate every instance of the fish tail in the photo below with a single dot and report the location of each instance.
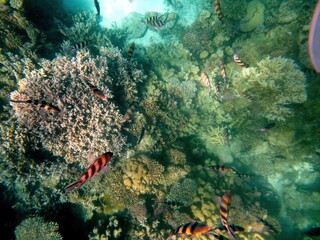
(73, 185)
(231, 233)
(170, 237)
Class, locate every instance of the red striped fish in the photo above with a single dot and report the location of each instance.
(128, 114)
(192, 228)
(225, 203)
(97, 92)
(94, 168)
(238, 60)
(205, 80)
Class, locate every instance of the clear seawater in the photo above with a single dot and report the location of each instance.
(218, 96)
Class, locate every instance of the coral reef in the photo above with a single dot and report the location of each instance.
(37, 228)
(254, 17)
(235, 10)
(36, 185)
(274, 84)
(85, 122)
(185, 90)
(143, 175)
(183, 191)
(106, 229)
(17, 4)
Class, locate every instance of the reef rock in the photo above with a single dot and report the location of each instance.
(254, 17)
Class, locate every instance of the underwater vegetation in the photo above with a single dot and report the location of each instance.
(220, 109)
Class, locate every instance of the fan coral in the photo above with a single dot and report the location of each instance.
(85, 122)
(275, 84)
(37, 228)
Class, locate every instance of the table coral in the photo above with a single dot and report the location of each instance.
(254, 17)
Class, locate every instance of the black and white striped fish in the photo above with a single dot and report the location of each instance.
(79, 45)
(156, 21)
(218, 9)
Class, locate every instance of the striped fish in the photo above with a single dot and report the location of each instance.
(42, 104)
(205, 80)
(79, 45)
(128, 114)
(229, 169)
(223, 74)
(97, 5)
(156, 21)
(267, 224)
(130, 55)
(218, 9)
(247, 96)
(94, 168)
(315, 231)
(222, 229)
(97, 92)
(225, 203)
(193, 228)
(238, 60)
(267, 127)
(223, 168)
(131, 49)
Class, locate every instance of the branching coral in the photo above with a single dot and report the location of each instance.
(275, 84)
(85, 122)
(215, 135)
(37, 228)
(183, 191)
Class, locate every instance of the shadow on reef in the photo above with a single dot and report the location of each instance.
(9, 218)
(72, 226)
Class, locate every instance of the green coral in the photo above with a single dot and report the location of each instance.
(36, 228)
(274, 84)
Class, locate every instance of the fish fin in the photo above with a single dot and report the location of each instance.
(73, 185)
(231, 233)
(170, 237)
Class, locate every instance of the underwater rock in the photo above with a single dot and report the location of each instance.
(254, 17)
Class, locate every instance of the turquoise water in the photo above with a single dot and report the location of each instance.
(193, 99)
